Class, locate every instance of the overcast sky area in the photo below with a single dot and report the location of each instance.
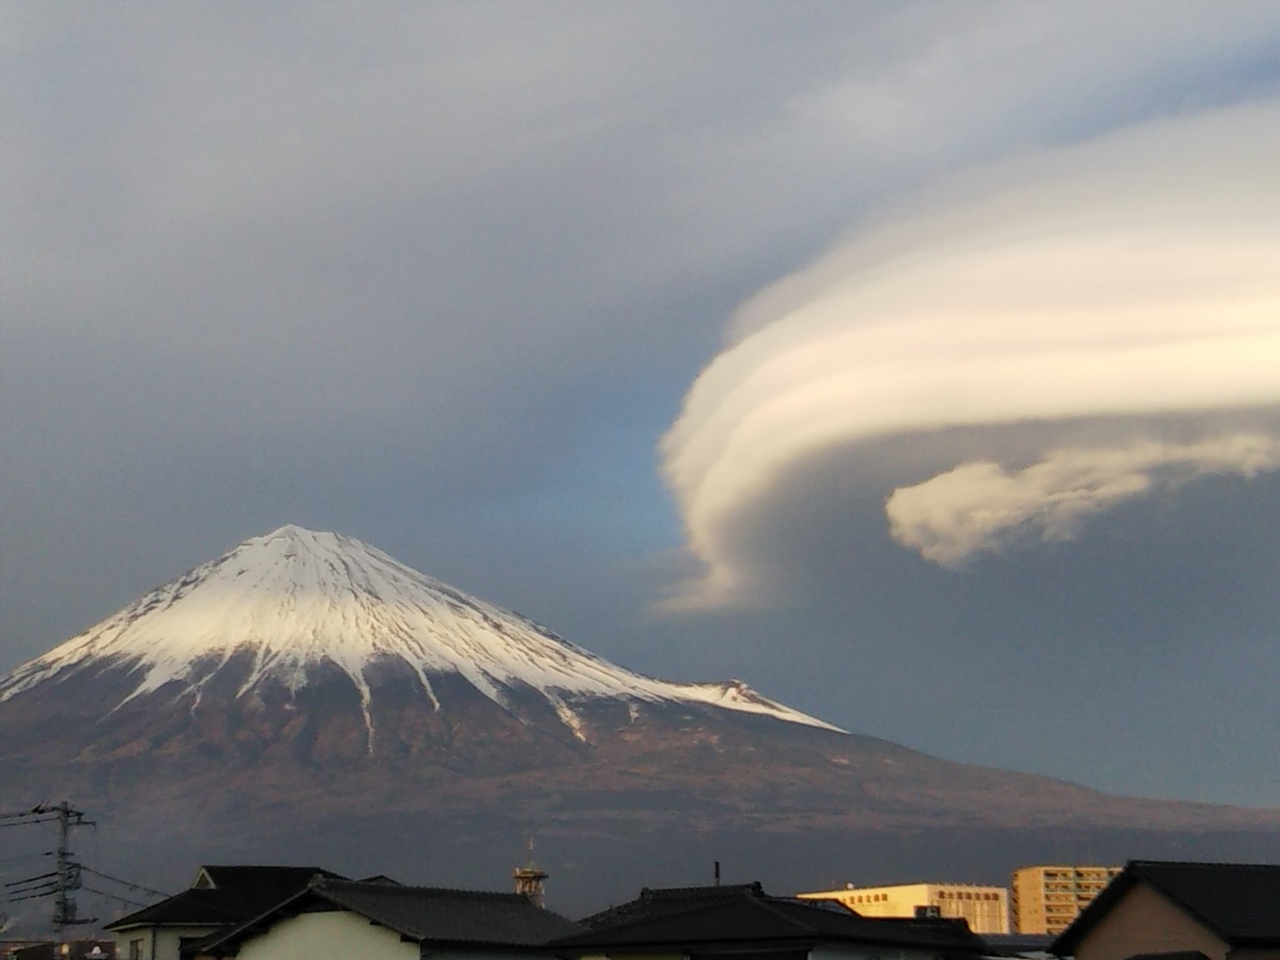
(916, 363)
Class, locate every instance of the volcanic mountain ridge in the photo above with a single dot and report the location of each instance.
(306, 688)
(295, 606)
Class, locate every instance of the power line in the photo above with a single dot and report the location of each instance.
(39, 876)
(127, 883)
(31, 887)
(65, 878)
(112, 896)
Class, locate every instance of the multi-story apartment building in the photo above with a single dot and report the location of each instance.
(986, 908)
(1047, 898)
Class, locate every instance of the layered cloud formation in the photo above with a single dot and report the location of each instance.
(1125, 280)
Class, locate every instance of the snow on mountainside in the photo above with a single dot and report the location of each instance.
(299, 599)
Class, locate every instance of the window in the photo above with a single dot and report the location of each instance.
(135, 949)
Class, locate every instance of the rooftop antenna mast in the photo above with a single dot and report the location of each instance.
(529, 878)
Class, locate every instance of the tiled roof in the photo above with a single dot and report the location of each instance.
(711, 920)
(1238, 902)
(665, 901)
(258, 883)
(239, 893)
(455, 916)
(422, 914)
(1016, 944)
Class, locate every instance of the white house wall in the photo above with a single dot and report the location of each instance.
(341, 935)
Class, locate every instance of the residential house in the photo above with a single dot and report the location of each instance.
(219, 897)
(340, 919)
(744, 923)
(1223, 911)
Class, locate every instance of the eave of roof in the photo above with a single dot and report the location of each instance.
(767, 921)
(1148, 872)
(191, 908)
(348, 896)
(235, 893)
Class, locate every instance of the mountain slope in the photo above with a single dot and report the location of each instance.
(307, 697)
(297, 601)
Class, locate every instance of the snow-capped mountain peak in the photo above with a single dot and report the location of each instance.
(297, 599)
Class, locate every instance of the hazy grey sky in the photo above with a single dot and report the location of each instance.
(916, 363)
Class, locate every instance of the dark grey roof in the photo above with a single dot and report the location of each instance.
(711, 921)
(1238, 902)
(422, 914)
(665, 901)
(239, 893)
(257, 883)
(1016, 944)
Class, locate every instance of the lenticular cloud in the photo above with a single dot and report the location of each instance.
(981, 506)
(1132, 277)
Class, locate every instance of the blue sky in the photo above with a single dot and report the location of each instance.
(443, 277)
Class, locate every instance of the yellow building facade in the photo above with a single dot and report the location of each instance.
(1048, 897)
(985, 908)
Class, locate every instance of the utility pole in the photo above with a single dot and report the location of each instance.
(68, 870)
(65, 878)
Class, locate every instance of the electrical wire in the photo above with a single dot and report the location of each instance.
(33, 895)
(112, 896)
(127, 883)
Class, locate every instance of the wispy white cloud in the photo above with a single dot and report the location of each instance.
(981, 506)
(1128, 277)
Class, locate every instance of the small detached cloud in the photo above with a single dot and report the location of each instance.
(981, 507)
(1129, 279)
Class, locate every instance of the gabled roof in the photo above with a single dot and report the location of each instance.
(420, 914)
(255, 879)
(224, 895)
(749, 915)
(665, 901)
(1237, 902)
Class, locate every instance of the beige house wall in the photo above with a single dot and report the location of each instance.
(336, 935)
(1144, 921)
(157, 943)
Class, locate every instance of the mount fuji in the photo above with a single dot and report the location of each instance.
(307, 697)
(288, 608)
